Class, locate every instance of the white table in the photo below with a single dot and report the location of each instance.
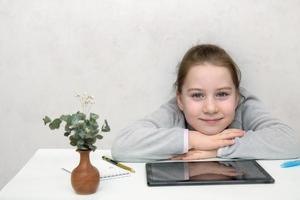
(42, 178)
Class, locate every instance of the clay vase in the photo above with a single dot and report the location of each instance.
(85, 177)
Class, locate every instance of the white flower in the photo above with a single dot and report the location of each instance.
(86, 102)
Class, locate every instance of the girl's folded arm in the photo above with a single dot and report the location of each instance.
(157, 136)
(266, 137)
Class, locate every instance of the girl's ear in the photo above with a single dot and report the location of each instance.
(179, 101)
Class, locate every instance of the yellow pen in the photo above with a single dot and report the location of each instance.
(118, 164)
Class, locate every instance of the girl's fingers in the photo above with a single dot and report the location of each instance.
(231, 130)
(224, 143)
(232, 134)
(192, 157)
(176, 158)
(187, 156)
(179, 157)
(227, 137)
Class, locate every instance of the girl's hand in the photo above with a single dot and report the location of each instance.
(195, 154)
(201, 141)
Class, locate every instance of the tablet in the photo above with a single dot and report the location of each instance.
(206, 173)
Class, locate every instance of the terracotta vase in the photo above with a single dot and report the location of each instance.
(85, 177)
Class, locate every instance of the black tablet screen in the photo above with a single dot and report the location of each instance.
(210, 172)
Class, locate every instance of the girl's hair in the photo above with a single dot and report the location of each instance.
(206, 53)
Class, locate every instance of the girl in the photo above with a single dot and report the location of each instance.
(211, 116)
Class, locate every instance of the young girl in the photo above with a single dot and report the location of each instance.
(211, 116)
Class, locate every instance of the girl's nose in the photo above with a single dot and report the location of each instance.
(210, 106)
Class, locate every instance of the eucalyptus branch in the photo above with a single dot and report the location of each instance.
(82, 129)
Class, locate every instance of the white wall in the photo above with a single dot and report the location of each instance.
(124, 53)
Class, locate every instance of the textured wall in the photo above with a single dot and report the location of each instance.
(125, 53)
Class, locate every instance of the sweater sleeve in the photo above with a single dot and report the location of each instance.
(157, 136)
(266, 137)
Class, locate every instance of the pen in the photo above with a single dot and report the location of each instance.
(66, 170)
(290, 164)
(118, 164)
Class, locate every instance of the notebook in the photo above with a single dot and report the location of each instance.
(107, 170)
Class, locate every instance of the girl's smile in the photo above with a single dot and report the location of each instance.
(211, 121)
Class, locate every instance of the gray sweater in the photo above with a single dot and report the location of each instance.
(160, 135)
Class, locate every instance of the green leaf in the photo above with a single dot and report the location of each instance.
(81, 134)
(55, 124)
(99, 137)
(93, 133)
(93, 125)
(77, 118)
(94, 116)
(73, 140)
(67, 128)
(89, 136)
(73, 143)
(66, 118)
(80, 142)
(46, 120)
(92, 147)
(105, 127)
(67, 134)
(80, 115)
(82, 147)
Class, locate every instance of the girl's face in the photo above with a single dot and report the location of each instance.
(208, 98)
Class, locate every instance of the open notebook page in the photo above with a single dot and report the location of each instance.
(106, 169)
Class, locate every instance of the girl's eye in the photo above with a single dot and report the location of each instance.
(197, 96)
(222, 94)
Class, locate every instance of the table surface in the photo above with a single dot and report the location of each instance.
(43, 178)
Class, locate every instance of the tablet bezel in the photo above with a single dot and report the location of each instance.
(267, 177)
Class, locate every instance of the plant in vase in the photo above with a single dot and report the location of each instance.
(82, 130)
